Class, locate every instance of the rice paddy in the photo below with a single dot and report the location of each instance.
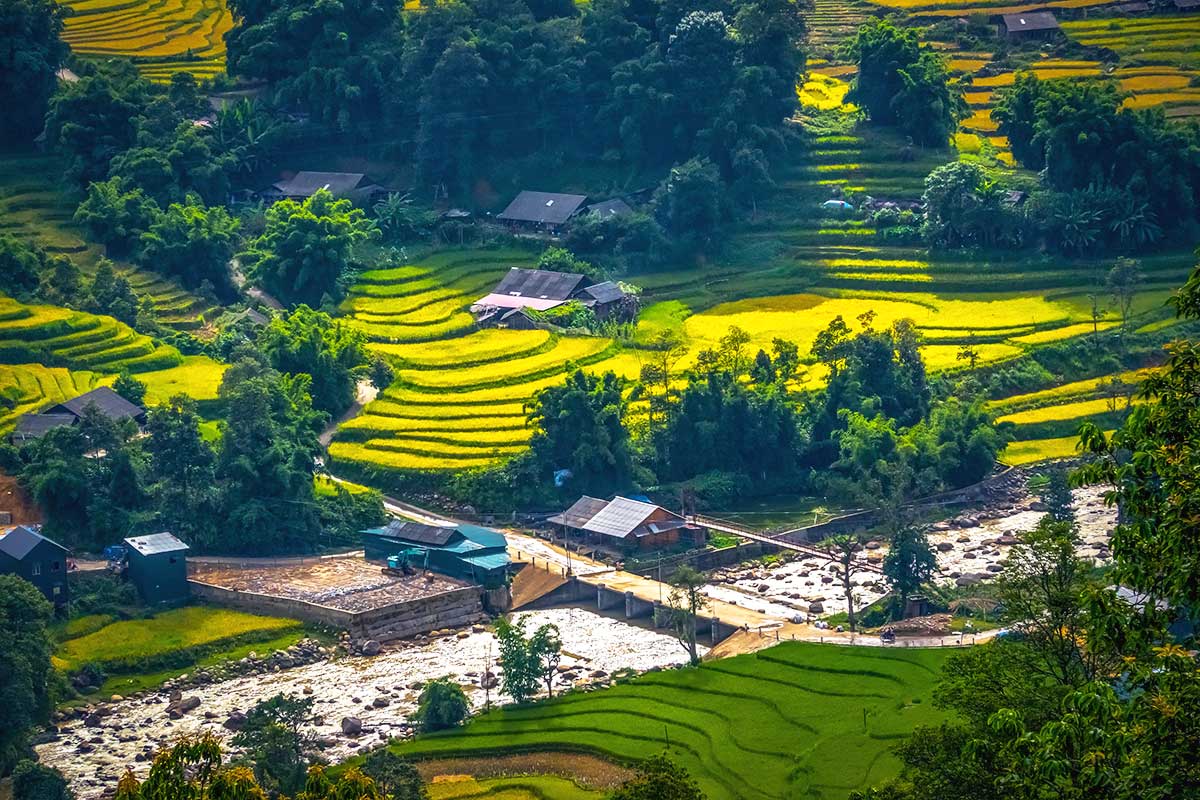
(31, 387)
(830, 716)
(162, 37)
(459, 396)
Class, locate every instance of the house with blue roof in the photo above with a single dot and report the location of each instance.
(467, 552)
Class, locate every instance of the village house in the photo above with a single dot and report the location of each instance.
(542, 290)
(1187, 5)
(24, 552)
(468, 552)
(1029, 25)
(544, 212)
(157, 566)
(353, 186)
(626, 525)
(69, 412)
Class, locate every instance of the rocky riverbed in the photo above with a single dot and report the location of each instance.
(971, 548)
(359, 701)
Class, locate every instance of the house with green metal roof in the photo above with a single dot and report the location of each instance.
(467, 552)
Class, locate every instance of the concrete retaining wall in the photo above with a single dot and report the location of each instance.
(446, 610)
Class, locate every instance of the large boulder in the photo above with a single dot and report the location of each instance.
(236, 721)
(351, 726)
(371, 648)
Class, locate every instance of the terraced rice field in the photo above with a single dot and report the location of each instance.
(963, 8)
(458, 400)
(33, 209)
(1047, 422)
(786, 722)
(36, 387)
(161, 36)
(533, 787)
(77, 340)
(53, 354)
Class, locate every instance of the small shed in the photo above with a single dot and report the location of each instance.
(608, 209)
(157, 566)
(545, 211)
(24, 552)
(1029, 25)
(34, 426)
(1190, 6)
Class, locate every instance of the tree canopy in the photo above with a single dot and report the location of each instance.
(304, 254)
(31, 52)
(25, 671)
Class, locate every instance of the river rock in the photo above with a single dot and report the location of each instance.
(351, 726)
(371, 648)
(381, 702)
(236, 721)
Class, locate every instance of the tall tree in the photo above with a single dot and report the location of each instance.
(579, 426)
(303, 255)
(685, 601)
(843, 553)
(194, 243)
(909, 563)
(31, 51)
(311, 342)
(25, 671)
(905, 83)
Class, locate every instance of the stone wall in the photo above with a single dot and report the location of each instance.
(451, 609)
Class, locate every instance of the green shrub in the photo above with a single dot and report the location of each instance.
(442, 705)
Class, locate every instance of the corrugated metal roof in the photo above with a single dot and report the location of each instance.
(430, 535)
(1030, 21)
(543, 207)
(110, 403)
(33, 426)
(488, 560)
(620, 517)
(485, 537)
(544, 284)
(606, 292)
(155, 543)
(579, 513)
(508, 301)
(19, 540)
(609, 208)
(306, 184)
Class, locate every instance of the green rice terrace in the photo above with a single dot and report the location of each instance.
(52, 354)
(798, 720)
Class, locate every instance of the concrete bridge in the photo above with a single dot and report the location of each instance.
(633, 597)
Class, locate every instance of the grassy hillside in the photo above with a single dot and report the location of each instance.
(798, 720)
